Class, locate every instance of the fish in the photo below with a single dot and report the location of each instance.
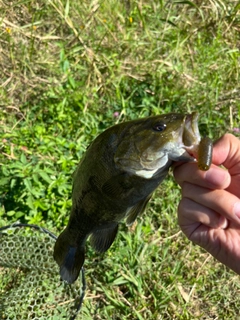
(116, 178)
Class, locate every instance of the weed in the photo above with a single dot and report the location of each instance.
(70, 69)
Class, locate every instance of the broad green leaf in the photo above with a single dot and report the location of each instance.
(4, 181)
(23, 158)
(45, 176)
(27, 182)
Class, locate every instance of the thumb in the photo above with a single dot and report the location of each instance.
(226, 152)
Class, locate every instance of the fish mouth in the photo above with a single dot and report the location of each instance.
(191, 135)
(186, 147)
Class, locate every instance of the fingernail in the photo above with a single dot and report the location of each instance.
(217, 177)
(236, 209)
(225, 224)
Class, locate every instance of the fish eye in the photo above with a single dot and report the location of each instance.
(159, 127)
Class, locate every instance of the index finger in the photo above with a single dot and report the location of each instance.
(226, 152)
(214, 178)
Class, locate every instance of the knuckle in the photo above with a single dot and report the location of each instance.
(186, 188)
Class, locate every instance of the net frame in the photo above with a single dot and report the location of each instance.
(38, 231)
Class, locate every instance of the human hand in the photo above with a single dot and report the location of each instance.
(209, 211)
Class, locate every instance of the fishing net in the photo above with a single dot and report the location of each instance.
(30, 285)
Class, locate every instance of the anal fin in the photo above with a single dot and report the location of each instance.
(102, 239)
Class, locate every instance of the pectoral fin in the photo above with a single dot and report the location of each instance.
(135, 211)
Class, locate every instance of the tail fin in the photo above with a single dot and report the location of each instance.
(69, 257)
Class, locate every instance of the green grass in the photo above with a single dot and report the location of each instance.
(66, 68)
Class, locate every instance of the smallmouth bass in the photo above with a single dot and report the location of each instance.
(116, 178)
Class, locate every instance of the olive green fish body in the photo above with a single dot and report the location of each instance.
(115, 180)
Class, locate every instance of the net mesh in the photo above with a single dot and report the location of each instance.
(30, 286)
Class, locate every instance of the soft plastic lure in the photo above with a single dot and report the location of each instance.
(205, 153)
